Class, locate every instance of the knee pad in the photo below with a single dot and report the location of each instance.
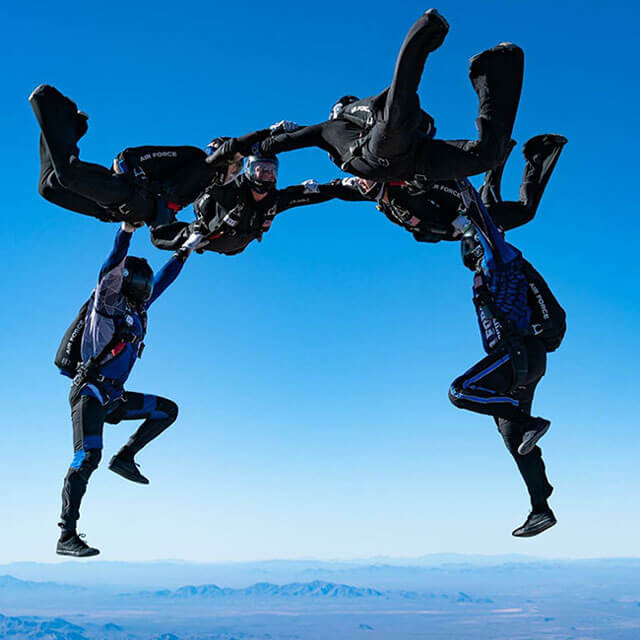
(86, 461)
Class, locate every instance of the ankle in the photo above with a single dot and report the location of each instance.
(67, 534)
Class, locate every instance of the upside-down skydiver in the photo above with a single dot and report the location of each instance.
(429, 210)
(145, 184)
(388, 137)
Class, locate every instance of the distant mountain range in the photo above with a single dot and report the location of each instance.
(315, 589)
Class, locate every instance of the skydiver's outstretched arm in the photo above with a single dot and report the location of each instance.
(172, 268)
(310, 136)
(312, 192)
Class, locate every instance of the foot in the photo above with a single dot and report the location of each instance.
(502, 47)
(74, 545)
(538, 148)
(127, 468)
(535, 430)
(535, 523)
(439, 26)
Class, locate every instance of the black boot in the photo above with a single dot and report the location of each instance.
(72, 544)
(541, 153)
(124, 465)
(534, 431)
(61, 123)
(536, 522)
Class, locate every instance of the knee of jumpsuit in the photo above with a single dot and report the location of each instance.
(68, 174)
(86, 461)
(455, 392)
(168, 407)
(46, 187)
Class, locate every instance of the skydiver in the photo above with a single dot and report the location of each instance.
(229, 217)
(429, 210)
(145, 184)
(107, 338)
(388, 137)
(520, 322)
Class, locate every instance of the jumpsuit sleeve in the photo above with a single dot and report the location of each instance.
(108, 301)
(107, 294)
(310, 136)
(311, 192)
(496, 248)
(167, 275)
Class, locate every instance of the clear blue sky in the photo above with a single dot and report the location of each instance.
(312, 370)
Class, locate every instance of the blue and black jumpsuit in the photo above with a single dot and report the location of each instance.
(503, 383)
(112, 321)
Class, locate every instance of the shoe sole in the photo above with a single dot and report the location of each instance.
(77, 555)
(536, 531)
(526, 448)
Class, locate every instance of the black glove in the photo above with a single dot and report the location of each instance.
(224, 153)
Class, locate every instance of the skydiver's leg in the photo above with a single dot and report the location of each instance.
(87, 416)
(496, 76)
(490, 191)
(50, 189)
(531, 465)
(401, 115)
(532, 470)
(541, 155)
(158, 414)
(62, 125)
(489, 386)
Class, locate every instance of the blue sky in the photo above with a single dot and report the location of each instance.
(312, 370)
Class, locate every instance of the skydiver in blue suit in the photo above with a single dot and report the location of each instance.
(115, 323)
(520, 322)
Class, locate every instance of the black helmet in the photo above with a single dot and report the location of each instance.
(340, 104)
(471, 249)
(261, 172)
(138, 280)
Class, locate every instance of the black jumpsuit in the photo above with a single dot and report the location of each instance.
(229, 218)
(145, 184)
(428, 212)
(388, 144)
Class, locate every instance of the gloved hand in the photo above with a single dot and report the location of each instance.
(284, 126)
(224, 153)
(460, 225)
(194, 242)
(130, 228)
(311, 186)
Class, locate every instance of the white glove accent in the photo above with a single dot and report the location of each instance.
(128, 227)
(284, 125)
(194, 241)
(311, 186)
(460, 225)
(350, 182)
